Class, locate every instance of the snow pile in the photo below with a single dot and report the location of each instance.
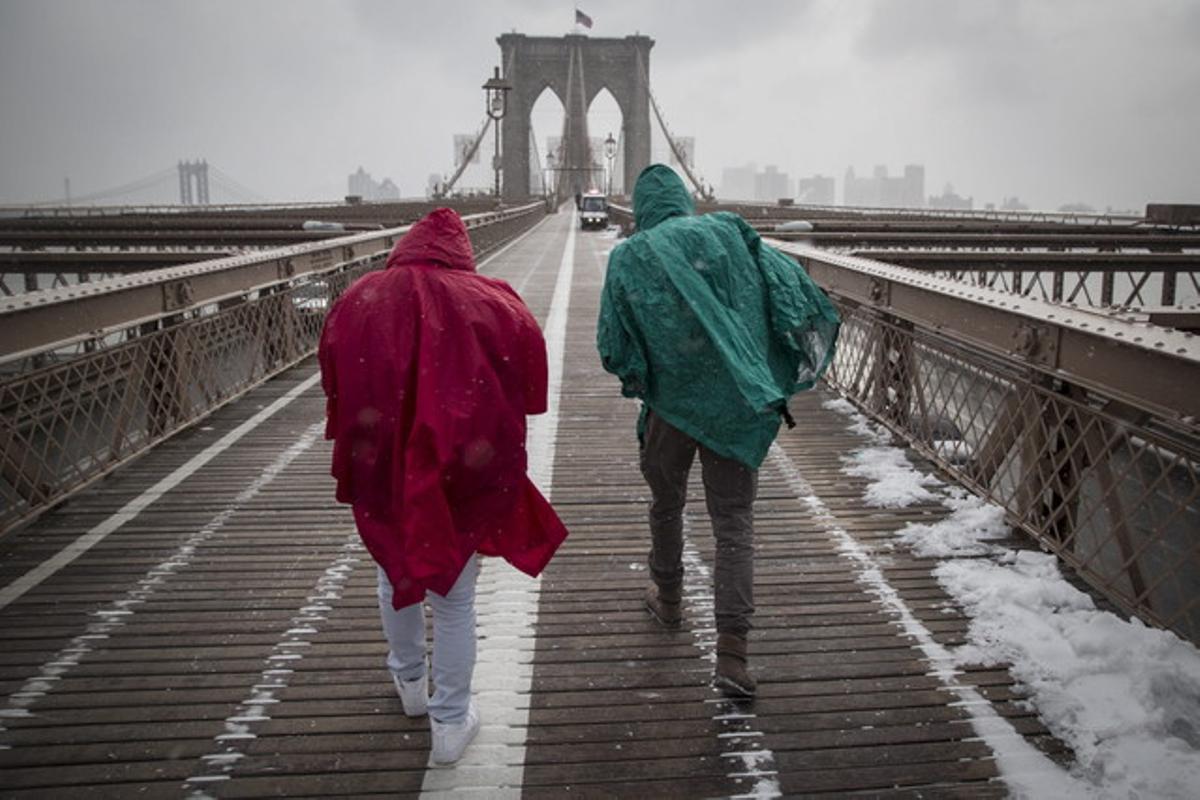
(1125, 697)
(860, 424)
(965, 532)
(894, 482)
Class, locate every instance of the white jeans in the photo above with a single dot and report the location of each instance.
(453, 641)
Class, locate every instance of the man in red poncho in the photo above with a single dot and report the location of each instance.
(429, 369)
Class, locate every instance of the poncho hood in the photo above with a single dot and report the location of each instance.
(658, 195)
(438, 238)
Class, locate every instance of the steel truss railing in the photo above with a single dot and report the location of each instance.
(1104, 278)
(93, 375)
(1108, 280)
(1142, 267)
(1083, 427)
(751, 209)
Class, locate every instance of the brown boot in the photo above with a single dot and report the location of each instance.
(664, 605)
(733, 674)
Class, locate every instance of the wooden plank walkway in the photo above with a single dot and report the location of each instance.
(224, 641)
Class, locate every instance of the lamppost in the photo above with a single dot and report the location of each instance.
(552, 177)
(610, 152)
(495, 93)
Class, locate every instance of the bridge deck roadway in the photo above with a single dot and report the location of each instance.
(220, 636)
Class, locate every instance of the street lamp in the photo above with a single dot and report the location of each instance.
(552, 178)
(495, 93)
(610, 152)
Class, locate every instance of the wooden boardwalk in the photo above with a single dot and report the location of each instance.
(223, 639)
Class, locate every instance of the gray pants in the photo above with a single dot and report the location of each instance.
(453, 641)
(729, 490)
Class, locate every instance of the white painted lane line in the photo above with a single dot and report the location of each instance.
(137, 505)
(755, 761)
(118, 614)
(1023, 767)
(277, 669)
(534, 265)
(494, 765)
(492, 256)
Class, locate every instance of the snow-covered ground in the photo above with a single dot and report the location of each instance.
(1124, 696)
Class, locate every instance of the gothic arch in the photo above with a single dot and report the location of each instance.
(606, 117)
(576, 68)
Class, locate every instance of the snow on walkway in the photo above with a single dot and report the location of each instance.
(1124, 696)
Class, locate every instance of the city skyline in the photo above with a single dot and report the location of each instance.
(1055, 103)
(739, 183)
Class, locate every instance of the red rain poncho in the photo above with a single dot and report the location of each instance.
(429, 369)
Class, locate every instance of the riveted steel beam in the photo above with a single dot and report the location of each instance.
(1133, 361)
(1010, 260)
(37, 320)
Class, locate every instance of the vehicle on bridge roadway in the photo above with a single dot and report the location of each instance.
(593, 211)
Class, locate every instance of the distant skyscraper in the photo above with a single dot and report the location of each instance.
(771, 184)
(596, 148)
(913, 194)
(880, 190)
(950, 200)
(618, 176)
(737, 183)
(817, 190)
(360, 184)
(387, 190)
(858, 191)
(363, 185)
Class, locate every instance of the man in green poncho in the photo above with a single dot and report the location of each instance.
(714, 331)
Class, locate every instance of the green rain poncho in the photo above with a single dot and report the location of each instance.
(709, 326)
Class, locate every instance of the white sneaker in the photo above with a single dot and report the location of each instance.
(414, 695)
(450, 739)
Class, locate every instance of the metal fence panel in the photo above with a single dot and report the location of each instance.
(73, 411)
(1109, 484)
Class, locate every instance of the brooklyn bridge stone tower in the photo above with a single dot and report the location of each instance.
(576, 68)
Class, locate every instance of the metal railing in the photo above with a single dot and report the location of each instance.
(1084, 428)
(761, 209)
(1094, 280)
(95, 374)
(1103, 280)
(1140, 272)
(58, 209)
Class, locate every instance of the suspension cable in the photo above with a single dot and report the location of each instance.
(468, 157)
(536, 160)
(147, 182)
(227, 182)
(675, 149)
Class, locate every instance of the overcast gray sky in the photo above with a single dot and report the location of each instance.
(1055, 101)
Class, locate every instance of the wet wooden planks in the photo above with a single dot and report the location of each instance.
(619, 707)
(847, 702)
